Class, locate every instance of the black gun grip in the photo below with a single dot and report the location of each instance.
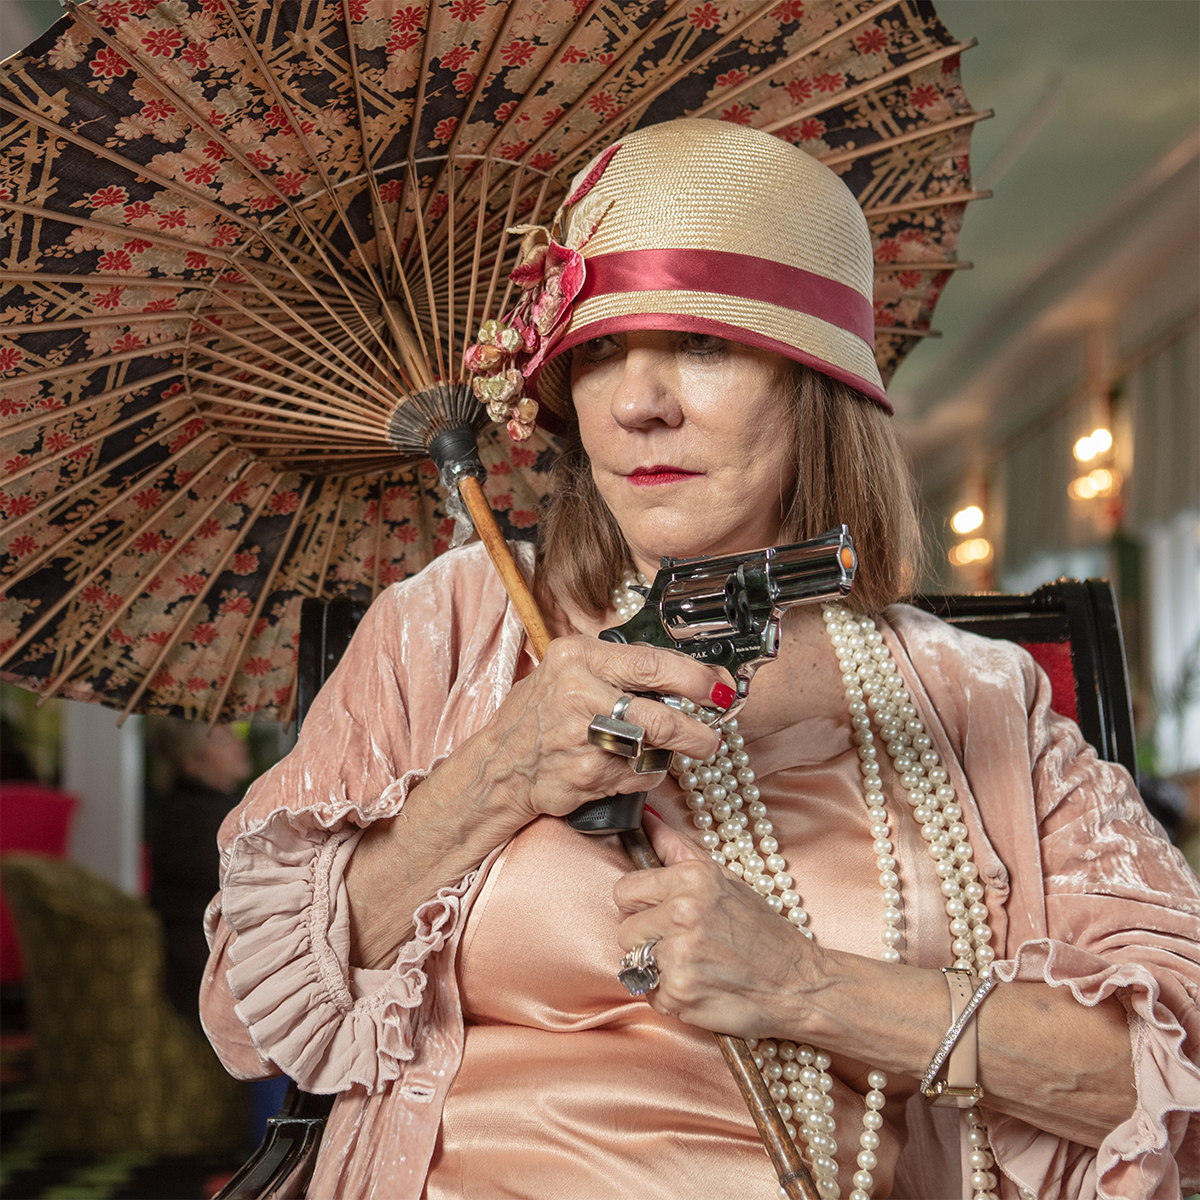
(613, 814)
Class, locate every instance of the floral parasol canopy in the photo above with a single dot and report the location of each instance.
(240, 234)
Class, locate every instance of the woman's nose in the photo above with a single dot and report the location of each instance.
(647, 390)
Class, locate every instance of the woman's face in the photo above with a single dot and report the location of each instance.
(690, 439)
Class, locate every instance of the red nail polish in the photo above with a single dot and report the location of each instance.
(723, 696)
(652, 812)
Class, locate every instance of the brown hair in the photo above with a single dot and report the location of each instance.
(849, 470)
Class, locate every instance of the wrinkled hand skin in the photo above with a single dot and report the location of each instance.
(535, 747)
(532, 757)
(729, 964)
(724, 957)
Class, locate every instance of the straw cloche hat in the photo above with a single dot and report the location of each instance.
(695, 225)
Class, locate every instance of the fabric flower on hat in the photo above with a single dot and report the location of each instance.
(550, 274)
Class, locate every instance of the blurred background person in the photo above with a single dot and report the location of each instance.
(195, 775)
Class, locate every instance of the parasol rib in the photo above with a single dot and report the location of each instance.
(235, 659)
(768, 73)
(612, 132)
(179, 543)
(335, 425)
(163, 283)
(62, 496)
(484, 186)
(318, 166)
(948, 198)
(378, 541)
(194, 604)
(323, 383)
(433, 308)
(377, 208)
(319, 590)
(514, 196)
(145, 67)
(871, 85)
(908, 331)
(142, 170)
(105, 360)
(233, 261)
(481, 77)
(50, 416)
(176, 314)
(37, 464)
(291, 391)
(915, 135)
(954, 264)
(534, 214)
(354, 367)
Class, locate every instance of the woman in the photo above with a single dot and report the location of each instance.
(406, 921)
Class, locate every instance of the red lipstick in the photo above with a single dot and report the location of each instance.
(659, 474)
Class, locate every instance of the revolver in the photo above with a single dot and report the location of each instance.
(727, 612)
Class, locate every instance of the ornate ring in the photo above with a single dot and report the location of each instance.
(639, 970)
(614, 734)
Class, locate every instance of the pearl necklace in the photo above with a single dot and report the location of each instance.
(717, 790)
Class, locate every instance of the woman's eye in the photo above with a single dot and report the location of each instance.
(703, 343)
(598, 348)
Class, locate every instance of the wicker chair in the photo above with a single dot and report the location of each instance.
(117, 1068)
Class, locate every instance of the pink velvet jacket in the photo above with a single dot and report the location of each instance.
(1082, 889)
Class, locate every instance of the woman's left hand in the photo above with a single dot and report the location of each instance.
(727, 962)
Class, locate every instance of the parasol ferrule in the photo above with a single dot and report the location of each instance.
(455, 453)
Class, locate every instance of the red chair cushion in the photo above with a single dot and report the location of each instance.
(34, 820)
(1055, 659)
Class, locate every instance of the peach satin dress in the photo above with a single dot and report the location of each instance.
(629, 1087)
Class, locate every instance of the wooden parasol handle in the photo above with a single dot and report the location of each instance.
(793, 1175)
(510, 574)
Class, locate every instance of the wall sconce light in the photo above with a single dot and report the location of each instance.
(1100, 482)
(967, 519)
(977, 550)
(1097, 442)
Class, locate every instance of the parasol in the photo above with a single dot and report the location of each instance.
(242, 235)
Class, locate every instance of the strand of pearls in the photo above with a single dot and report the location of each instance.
(722, 795)
(873, 683)
(728, 811)
(624, 599)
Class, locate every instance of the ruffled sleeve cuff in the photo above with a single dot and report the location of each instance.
(1157, 1150)
(327, 1025)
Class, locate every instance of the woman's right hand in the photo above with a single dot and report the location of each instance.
(532, 757)
(535, 751)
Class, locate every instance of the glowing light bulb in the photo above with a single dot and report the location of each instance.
(967, 519)
(975, 550)
(1097, 442)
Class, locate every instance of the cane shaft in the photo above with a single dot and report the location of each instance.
(510, 574)
(793, 1175)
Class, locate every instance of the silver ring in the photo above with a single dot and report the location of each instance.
(614, 733)
(639, 971)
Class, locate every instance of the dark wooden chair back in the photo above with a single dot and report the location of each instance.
(1071, 628)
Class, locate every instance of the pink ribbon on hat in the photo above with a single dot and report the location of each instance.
(724, 273)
